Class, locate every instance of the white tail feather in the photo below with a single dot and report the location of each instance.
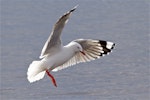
(35, 71)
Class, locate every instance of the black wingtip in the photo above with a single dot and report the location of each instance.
(74, 8)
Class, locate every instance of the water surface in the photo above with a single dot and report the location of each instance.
(122, 75)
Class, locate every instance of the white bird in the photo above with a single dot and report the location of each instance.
(55, 56)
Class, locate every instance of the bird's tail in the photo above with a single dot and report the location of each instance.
(35, 71)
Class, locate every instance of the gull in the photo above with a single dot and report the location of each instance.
(55, 56)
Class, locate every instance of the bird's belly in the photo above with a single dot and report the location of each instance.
(58, 59)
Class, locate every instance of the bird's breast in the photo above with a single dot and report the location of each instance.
(59, 58)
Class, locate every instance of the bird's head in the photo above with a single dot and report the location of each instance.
(78, 48)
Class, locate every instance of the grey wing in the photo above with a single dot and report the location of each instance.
(53, 44)
(93, 49)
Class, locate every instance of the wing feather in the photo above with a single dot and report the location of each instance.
(93, 49)
(53, 44)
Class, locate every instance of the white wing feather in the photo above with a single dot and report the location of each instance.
(93, 49)
(53, 44)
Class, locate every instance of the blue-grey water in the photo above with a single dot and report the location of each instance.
(122, 75)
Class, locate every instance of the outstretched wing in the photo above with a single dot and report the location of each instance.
(53, 44)
(93, 49)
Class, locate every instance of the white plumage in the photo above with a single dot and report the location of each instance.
(55, 56)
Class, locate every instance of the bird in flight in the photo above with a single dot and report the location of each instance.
(55, 56)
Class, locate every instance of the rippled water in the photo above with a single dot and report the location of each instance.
(122, 75)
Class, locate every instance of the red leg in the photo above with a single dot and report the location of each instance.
(52, 78)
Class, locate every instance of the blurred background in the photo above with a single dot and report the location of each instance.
(122, 75)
